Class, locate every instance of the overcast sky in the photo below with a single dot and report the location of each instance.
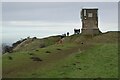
(41, 19)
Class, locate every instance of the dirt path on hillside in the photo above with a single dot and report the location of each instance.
(49, 60)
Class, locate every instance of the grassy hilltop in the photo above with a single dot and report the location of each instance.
(78, 57)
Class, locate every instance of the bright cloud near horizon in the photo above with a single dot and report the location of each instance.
(43, 19)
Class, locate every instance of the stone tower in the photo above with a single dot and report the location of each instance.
(89, 18)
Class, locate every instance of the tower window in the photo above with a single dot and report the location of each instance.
(90, 14)
(84, 12)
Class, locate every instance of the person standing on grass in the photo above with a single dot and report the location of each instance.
(67, 33)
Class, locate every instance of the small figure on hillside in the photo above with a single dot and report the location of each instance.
(76, 31)
(28, 37)
(61, 41)
(63, 35)
(62, 38)
(34, 38)
(67, 33)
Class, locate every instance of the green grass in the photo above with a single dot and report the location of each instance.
(96, 58)
(99, 61)
(22, 58)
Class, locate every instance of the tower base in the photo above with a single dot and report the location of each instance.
(90, 31)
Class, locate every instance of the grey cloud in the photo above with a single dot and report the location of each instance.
(55, 12)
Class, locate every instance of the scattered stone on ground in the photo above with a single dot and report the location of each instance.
(35, 58)
(33, 73)
(48, 52)
(77, 56)
(36, 50)
(79, 68)
(10, 58)
(73, 64)
(31, 53)
(58, 49)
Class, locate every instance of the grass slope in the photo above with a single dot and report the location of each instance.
(93, 63)
(97, 57)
